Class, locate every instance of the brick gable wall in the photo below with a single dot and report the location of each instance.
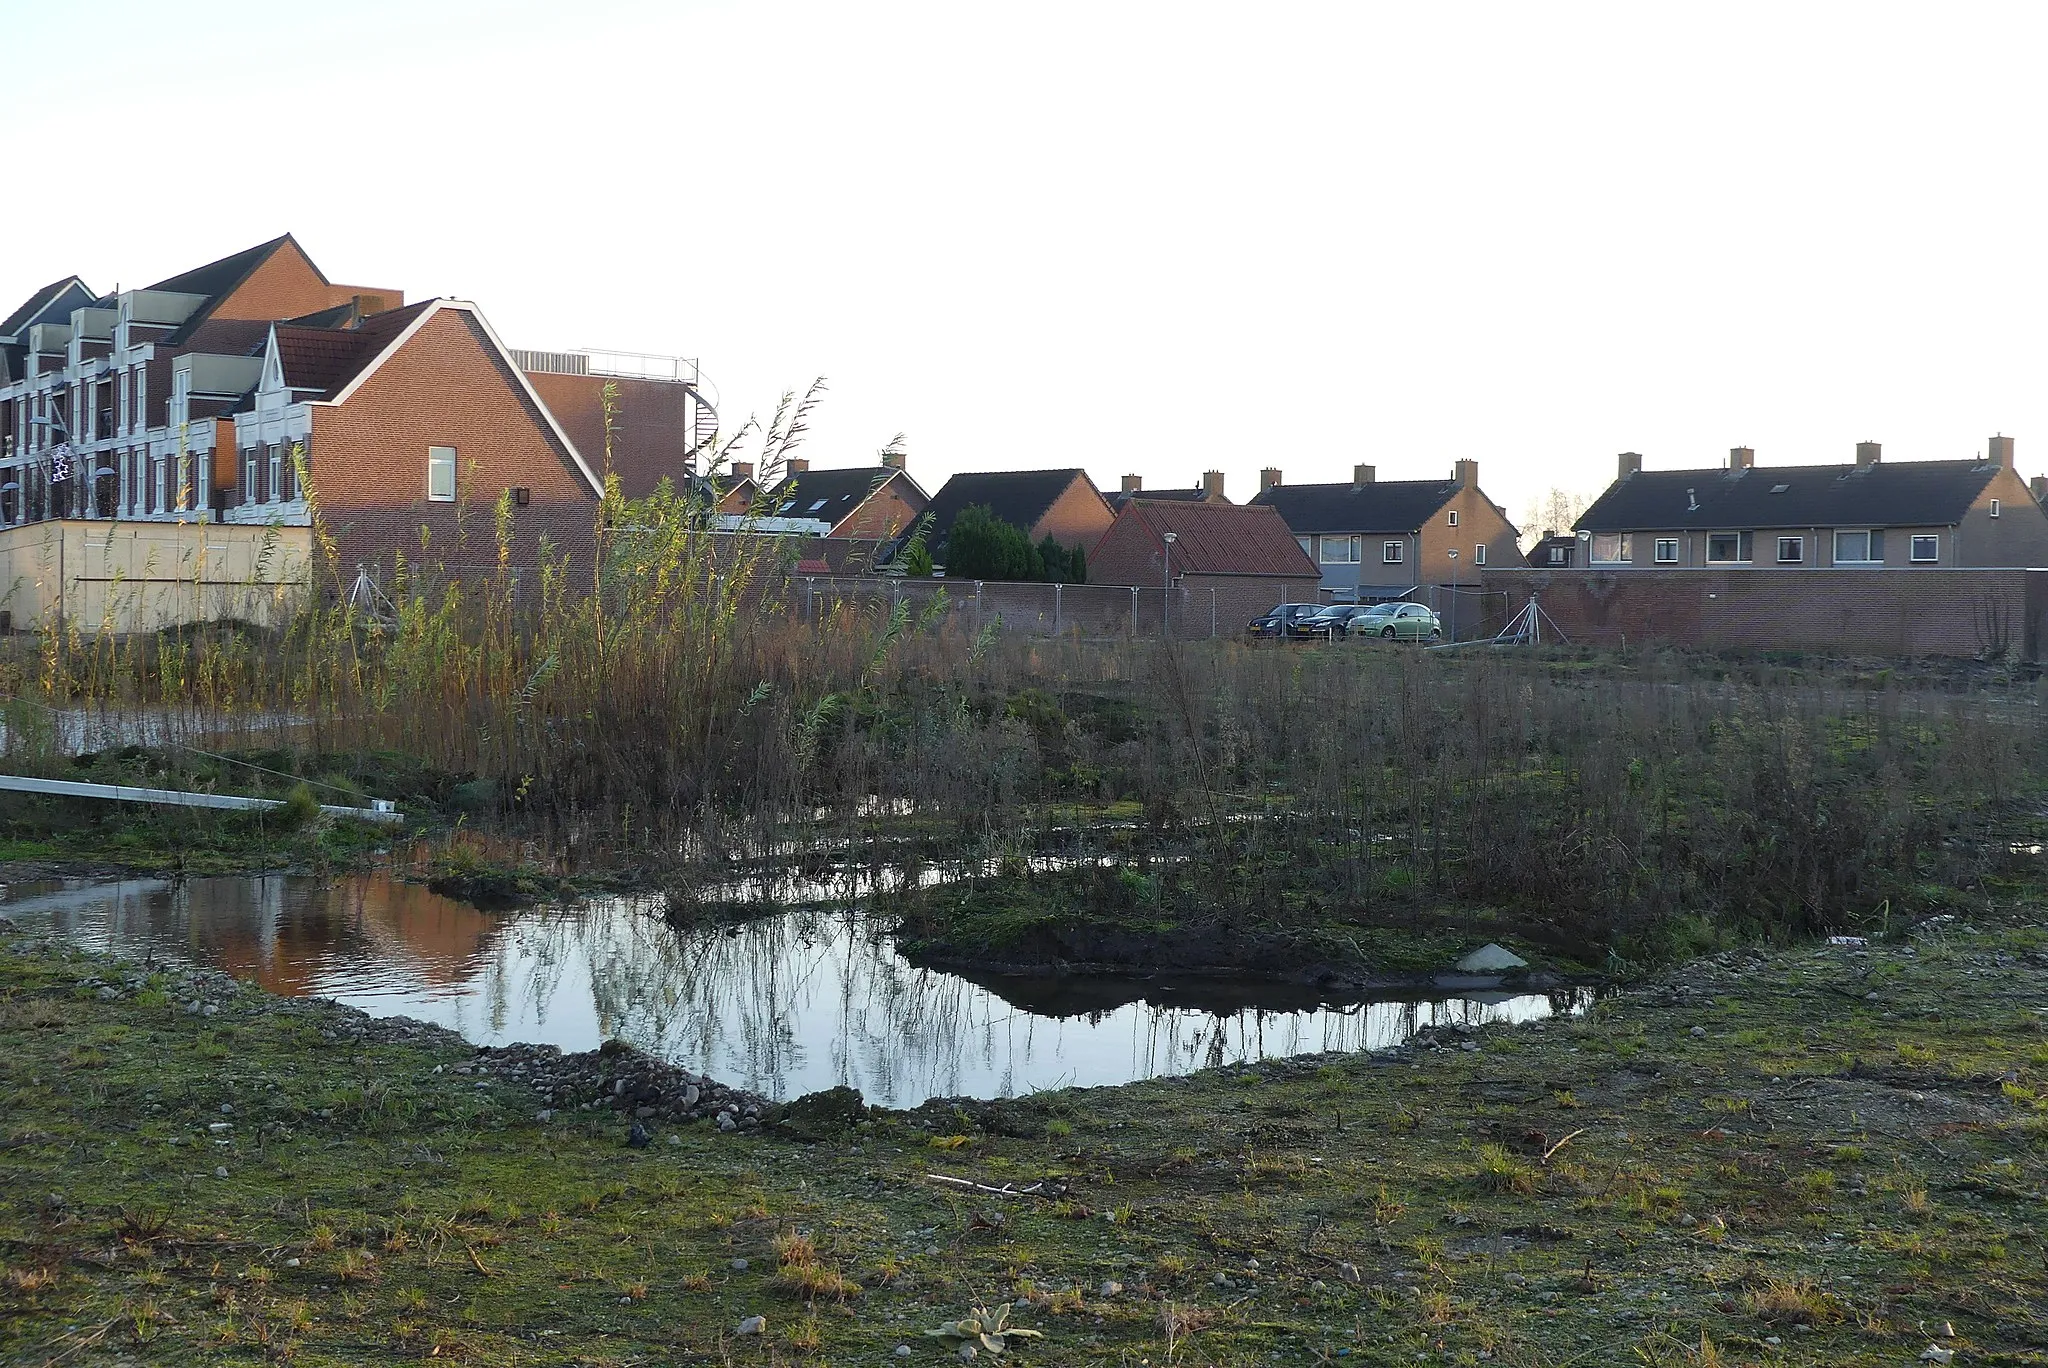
(445, 387)
(884, 513)
(1078, 517)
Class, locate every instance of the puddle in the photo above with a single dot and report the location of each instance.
(785, 1005)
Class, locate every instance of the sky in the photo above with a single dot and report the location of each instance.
(1145, 239)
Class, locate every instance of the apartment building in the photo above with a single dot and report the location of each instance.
(239, 391)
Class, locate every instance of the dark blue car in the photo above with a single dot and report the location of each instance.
(1280, 622)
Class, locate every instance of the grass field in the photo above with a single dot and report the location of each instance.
(1809, 1155)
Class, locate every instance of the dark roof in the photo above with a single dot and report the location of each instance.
(827, 495)
(217, 278)
(37, 302)
(377, 333)
(313, 357)
(1884, 494)
(340, 316)
(1019, 497)
(1382, 506)
(1222, 539)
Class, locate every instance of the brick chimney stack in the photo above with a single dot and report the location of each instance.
(742, 470)
(1631, 463)
(894, 460)
(798, 465)
(1868, 453)
(1363, 475)
(1466, 473)
(1134, 484)
(1212, 484)
(2001, 451)
(1269, 478)
(1741, 458)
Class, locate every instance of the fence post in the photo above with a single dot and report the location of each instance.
(1134, 611)
(810, 593)
(1056, 608)
(977, 607)
(1212, 615)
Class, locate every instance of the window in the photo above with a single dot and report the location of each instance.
(163, 487)
(1994, 508)
(249, 476)
(1560, 556)
(1728, 548)
(1791, 550)
(1859, 548)
(1927, 548)
(1612, 548)
(1667, 550)
(1340, 550)
(1454, 517)
(276, 486)
(441, 474)
(1390, 553)
(1479, 554)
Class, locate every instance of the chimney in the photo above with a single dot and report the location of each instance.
(1867, 453)
(1548, 533)
(893, 460)
(2001, 451)
(1269, 478)
(742, 470)
(1134, 484)
(1212, 484)
(1361, 476)
(2039, 484)
(796, 465)
(1631, 464)
(1466, 473)
(1741, 458)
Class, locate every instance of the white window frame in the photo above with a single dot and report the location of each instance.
(1994, 508)
(276, 455)
(442, 457)
(1339, 550)
(1619, 549)
(1559, 556)
(1736, 559)
(1866, 558)
(1798, 545)
(1664, 544)
(163, 488)
(1392, 553)
(1454, 518)
(1913, 548)
(249, 475)
(1479, 553)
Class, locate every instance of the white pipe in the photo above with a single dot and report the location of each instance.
(384, 811)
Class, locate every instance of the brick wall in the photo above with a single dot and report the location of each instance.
(884, 513)
(446, 387)
(650, 427)
(288, 285)
(1905, 613)
(1078, 517)
(1199, 604)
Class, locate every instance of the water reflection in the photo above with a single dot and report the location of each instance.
(785, 1005)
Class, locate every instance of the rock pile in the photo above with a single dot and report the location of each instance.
(620, 1078)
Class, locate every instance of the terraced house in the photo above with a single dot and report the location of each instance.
(1865, 515)
(1381, 539)
(228, 394)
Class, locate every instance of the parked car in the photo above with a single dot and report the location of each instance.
(1328, 623)
(1278, 622)
(1397, 621)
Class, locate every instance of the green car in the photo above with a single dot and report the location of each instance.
(1396, 622)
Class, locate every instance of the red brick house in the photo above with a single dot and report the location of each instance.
(862, 504)
(1226, 561)
(185, 401)
(1061, 504)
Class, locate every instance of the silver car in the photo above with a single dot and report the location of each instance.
(1396, 622)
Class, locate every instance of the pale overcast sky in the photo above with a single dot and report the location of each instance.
(1140, 238)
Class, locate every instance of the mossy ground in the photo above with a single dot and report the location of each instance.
(1813, 1156)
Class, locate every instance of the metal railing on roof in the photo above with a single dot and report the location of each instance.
(597, 361)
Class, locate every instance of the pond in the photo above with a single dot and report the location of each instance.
(784, 1005)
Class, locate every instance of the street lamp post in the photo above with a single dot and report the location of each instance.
(1454, 596)
(1166, 585)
